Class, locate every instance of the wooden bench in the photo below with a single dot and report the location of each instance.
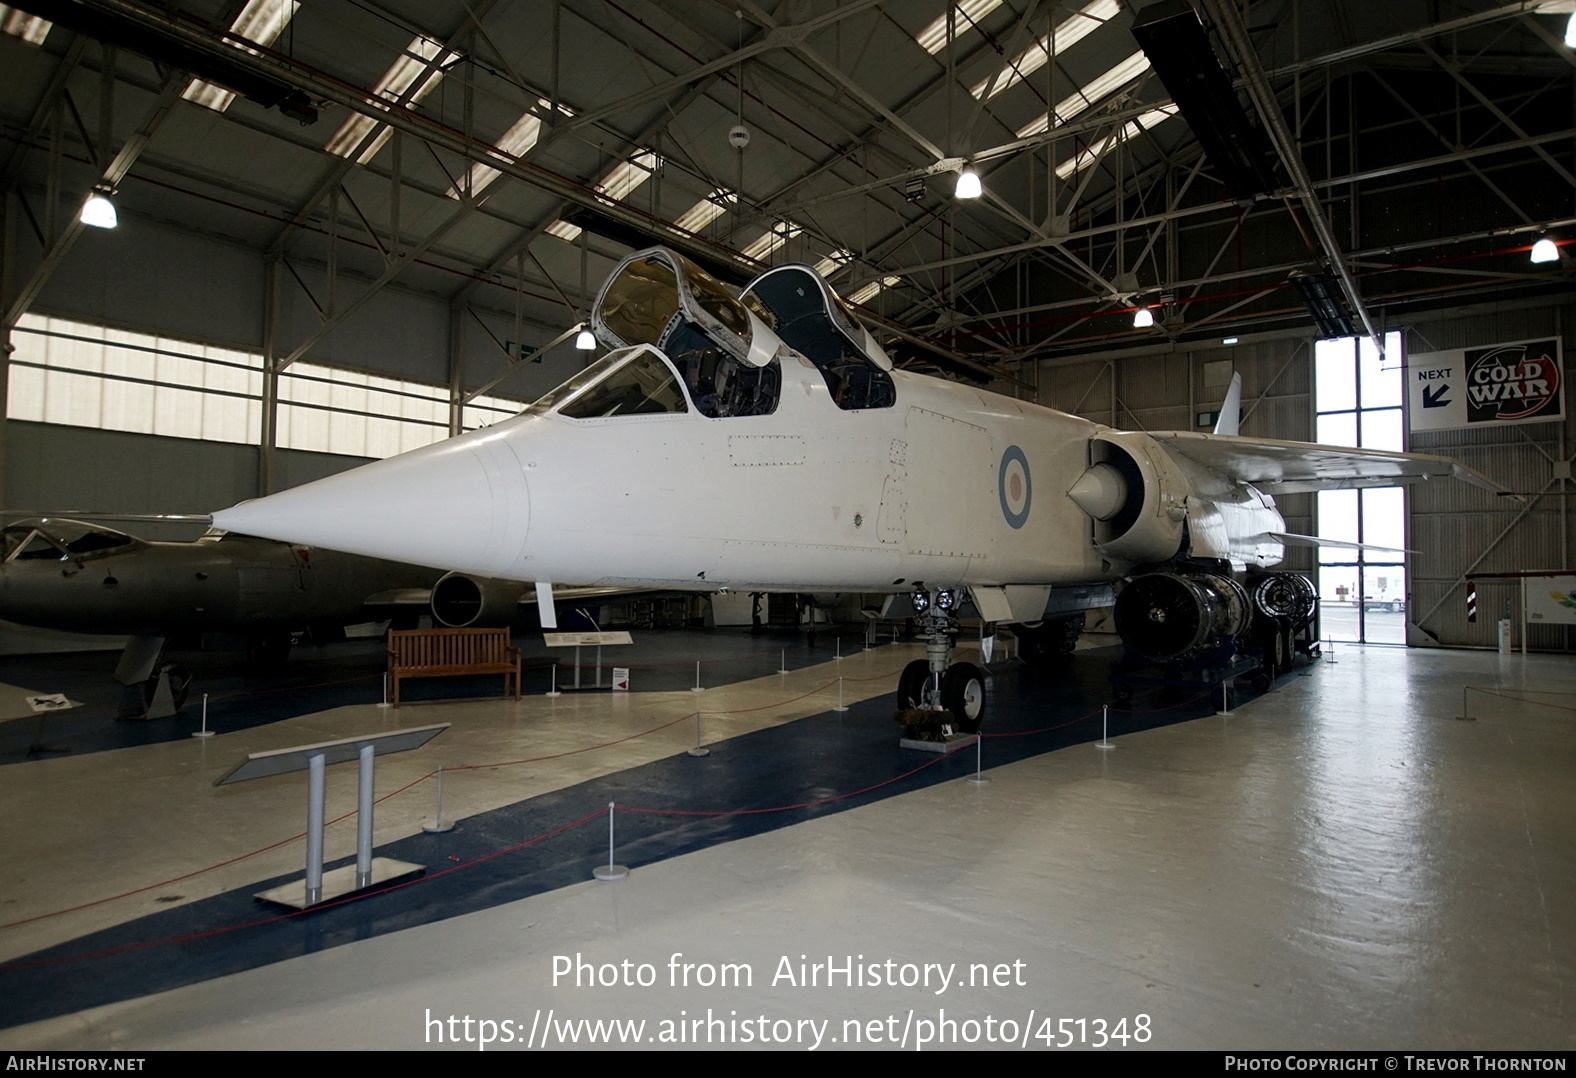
(450, 653)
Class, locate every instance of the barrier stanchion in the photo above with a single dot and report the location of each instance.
(1105, 719)
(1465, 716)
(385, 702)
(782, 666)
(1330, 640)
(205, 732)
(554, 691)
(437, 826)
(977, 779)
(610, 871)
(698, 750)
(697, 687)
(1225, 699)
(840, 706)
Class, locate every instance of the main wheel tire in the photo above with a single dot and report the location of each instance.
(1051, 639)
(963, 694)
(911, 685)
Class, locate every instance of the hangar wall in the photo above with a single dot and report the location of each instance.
(1457, 529)
(160, 278)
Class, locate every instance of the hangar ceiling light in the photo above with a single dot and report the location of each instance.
(1087, 20)
(933, 38)
(1545, 250)
(261, 21)
(423, 59)
(98, 211)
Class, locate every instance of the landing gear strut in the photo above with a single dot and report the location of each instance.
(935, 683)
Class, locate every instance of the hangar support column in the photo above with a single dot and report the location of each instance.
(269, 429)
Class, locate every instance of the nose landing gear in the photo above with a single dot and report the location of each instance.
(953, 692)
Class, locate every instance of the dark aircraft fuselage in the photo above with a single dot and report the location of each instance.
(84, 578)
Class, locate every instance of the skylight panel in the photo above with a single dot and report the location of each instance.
(625, 177)
(706, 210)
(617, 184)
(261, 21)
(1088, 19)
(513, 144)
(424, 60)
(869, 291)
(1092, 152)
(933, 38)
(30, 28)
(1092, 91)
(834, 262)
(763, 247)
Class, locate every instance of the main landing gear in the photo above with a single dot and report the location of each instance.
(935, 683)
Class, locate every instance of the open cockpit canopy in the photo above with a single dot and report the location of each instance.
(61, 540)
(725, 355)
(811, 319)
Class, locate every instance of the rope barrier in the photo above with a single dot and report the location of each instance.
(800, 806)
(574, 752)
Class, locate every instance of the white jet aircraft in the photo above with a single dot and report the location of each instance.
(765, 443)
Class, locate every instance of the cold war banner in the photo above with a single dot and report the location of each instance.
(1516, 382)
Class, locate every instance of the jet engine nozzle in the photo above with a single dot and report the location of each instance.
(1101, 491)
(1171, 618)
(466, 602)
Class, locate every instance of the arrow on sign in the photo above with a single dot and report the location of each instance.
(1435, 398)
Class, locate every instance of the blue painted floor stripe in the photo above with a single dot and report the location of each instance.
(797, 762)
(336, 675)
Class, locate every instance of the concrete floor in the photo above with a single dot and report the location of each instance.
(1340, 864)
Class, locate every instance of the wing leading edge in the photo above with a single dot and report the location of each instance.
(1278, 467)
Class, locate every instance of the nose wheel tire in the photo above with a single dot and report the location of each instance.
(963, 694)
(911, 685)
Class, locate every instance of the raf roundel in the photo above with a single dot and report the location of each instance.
(1013, 487)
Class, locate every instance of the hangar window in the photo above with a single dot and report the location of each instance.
(83, 375)
(1358, 400)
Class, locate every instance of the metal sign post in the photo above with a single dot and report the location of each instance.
(318, 887)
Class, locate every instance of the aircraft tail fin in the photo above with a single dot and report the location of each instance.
(1231, 409)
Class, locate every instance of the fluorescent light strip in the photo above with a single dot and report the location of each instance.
(765, 246)
(261, 21)
(30, 28)
(868, 292)
(422, 57)
(1064, 37)
(1092, 91)
(834, 262)
(1090, 154)
(933, 38)
(706, 210)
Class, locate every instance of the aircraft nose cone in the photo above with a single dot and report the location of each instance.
(459, 504)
